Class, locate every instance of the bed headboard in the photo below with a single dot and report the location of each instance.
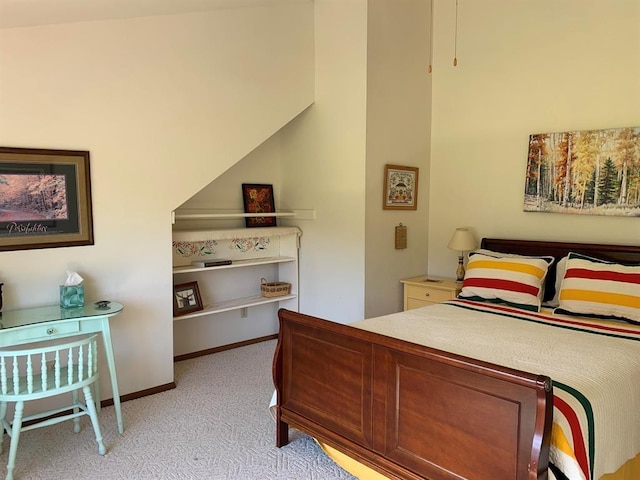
(625, 254)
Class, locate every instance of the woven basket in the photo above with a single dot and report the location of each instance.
(274, 289)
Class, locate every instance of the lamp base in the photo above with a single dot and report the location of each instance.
(460, 269)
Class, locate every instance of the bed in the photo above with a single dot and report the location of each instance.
(420, 394)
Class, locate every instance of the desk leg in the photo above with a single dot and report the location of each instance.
(106, 337)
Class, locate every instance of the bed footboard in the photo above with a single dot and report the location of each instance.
(408, 411)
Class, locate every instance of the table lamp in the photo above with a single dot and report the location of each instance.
(462, 241)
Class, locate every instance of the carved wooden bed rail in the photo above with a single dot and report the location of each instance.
(409, 411)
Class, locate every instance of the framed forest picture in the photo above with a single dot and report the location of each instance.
(45, 198)
(589, 172)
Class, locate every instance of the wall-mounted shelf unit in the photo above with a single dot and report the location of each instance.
(255, 253)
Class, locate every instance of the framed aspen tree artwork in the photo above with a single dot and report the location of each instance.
(589, 172)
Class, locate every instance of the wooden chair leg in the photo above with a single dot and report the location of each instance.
(96, 396)
(3, 414)
(93, 414)
(76, 409)
(15, 438)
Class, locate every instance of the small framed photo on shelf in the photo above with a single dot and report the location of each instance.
(259, 199)
(186, 298)
(400, 188)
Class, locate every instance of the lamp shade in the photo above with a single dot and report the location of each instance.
(462, 240)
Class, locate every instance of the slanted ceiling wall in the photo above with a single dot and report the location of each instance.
(164, 104)
(372, 95)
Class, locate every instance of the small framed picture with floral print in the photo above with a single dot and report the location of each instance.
(259, 199)
(400, 188)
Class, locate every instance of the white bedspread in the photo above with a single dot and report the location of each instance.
(600, 360)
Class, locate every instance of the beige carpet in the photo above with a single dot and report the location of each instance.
(214, 425)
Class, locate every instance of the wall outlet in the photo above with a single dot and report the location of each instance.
(244, 312)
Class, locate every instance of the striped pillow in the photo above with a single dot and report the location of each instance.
(605, 289)
(517, 281)
(561, 268)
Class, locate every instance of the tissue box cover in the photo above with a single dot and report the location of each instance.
(71, 297)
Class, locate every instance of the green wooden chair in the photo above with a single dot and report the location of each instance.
(31, 374)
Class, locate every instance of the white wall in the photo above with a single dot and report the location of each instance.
(164, 104)
(324, 165)
(262, 165)
(372, 107)
(398, 131)
(524, 67)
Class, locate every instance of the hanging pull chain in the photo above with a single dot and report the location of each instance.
(455, 40)
(431, 39)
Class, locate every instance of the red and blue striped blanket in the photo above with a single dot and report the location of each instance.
(594, 365)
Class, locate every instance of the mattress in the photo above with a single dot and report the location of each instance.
(594, 365)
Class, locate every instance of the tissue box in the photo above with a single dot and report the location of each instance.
(71, 297)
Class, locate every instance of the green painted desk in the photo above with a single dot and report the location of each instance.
(28, 325)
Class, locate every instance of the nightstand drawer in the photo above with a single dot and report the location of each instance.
(430, 295)
(415, 303)
(426, 290)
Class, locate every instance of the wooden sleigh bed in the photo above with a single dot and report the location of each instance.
(409, 411)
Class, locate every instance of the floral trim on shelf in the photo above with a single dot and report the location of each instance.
(246, 244)
(189, 249)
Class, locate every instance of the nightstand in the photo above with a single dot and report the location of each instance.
(427, 290)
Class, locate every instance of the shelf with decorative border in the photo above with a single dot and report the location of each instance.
(264, 252)
(235, 304)
(236, 235)
(249, 262)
